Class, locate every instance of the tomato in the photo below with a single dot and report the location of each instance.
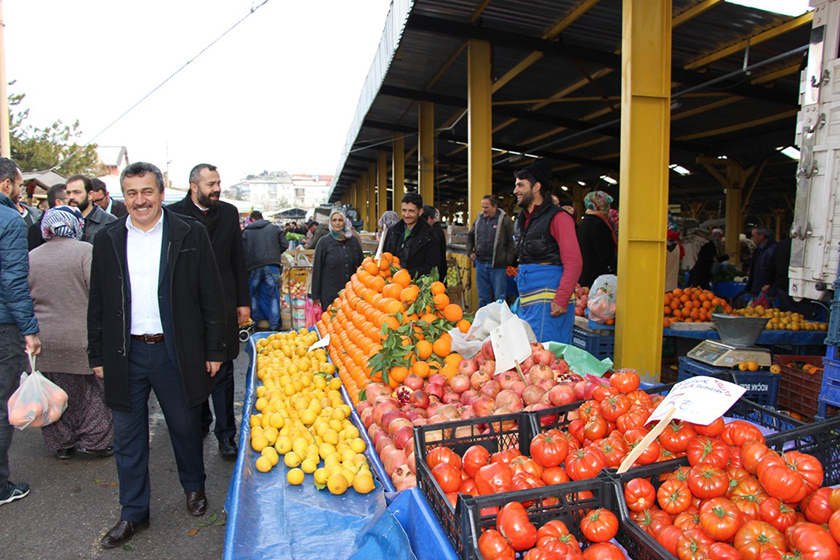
(688, 519)
(674, 496)
(816, 506)
(625, 381)
(734, 456)
(704, 449)
(443, 455)
(651, 454)
(779, 514)
(755, 536)
(722, 551)
(589, 409)
(720, 519)
(596, 427)
(669, 537)
(747, 495)
(554, 536)
(555, 475)
(585, 463)
(601, 392)
(665, 455)
(792, 478)
(711, 430)
(603, 551)
(468, 487)
(706, 481)
(693, 544)
(614, 450)
(738, 432)
(834, 499)
(492, 544)
(639, 494)
(599, 525)
(811, 542)
(680, 473)
(474, 458)
(576, 431)
(736, 475)
(676, 436)
(614, 406)
(639, 399)
(752, 452)
(515, 526)
(505, 456)
(447, 476)
(526, 464)
(539, 554)
(651, 520)
(493, 479)
(525, 481)
(834, 525)
(634, 418)
(549, 450)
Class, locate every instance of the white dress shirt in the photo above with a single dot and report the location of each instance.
(143, 249)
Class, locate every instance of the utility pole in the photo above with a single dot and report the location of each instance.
(5, 137)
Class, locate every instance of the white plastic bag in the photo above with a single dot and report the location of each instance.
(602, 299)
(37, 402)
(486, 319)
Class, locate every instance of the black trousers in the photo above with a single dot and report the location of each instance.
(225, 427)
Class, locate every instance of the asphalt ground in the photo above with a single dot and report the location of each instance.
(73, 503)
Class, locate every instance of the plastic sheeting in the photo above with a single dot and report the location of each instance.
(268, 518)
(795, 338)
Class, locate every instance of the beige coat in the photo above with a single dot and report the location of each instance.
(59, 279)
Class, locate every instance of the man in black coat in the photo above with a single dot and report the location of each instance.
(154, 323)
(432, 217)
(222, 222)
(99, 195)
(411, 239)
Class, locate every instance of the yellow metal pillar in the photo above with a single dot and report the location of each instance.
(479, 135)
(382, 181)
(398, 172)
(426, 152)
(645, 138)
(373, 216)
(361, 199)
(734, 223)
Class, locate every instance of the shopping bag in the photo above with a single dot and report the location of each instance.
(37, 402)
(602, 298)
(313, 313)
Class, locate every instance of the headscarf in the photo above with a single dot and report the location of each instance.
(387, 220)
(344, 233)
(599, 201)
(63, 221)
(612, 218)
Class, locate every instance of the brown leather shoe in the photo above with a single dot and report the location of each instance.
(196, 503)
(122, 533)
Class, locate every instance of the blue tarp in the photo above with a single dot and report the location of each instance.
(795, 338)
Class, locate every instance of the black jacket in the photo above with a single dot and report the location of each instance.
(332, 266)
(189, 295)
(597, 247)
(535, 244)
(265, 244)
(118, 208)
(226, 239)
(419, 253)
(440, 238)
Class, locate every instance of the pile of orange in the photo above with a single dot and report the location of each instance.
(692, 305)
(373, 306)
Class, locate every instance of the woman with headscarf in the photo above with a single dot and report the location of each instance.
(386, 222)
(711, 253)
(596, 238)
(59, 279)
(337, 256)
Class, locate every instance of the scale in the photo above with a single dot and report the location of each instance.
(736, 344)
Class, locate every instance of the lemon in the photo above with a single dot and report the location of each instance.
(264, 464)
(271, 453)
(330, 436)
(309, 465)
(337, 484)
(291, 459)
(255, 420)
(295, 477)
(271, 435)
(277, 421)
(358, 445)
(351, 432)
(261, 404)
(321, 475)
(259, 442)
(329, 369)
(347, 455)
(363, 483)
(349, 475)
(299, 446)
(335, 382)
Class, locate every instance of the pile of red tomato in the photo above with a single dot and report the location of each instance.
(740, 500)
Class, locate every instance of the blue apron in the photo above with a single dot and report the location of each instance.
(537, 285)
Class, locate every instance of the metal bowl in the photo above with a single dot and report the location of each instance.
(739, 331)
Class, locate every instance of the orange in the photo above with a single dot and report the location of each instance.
(438, 288)
(424, 349)
(453, 312)
(453, 359)
(377, 283)
(394, 306)
(441, 301)
(392, 322)
(449, 371)
(399, 373)
(463, 325)
(443, 345)
(409, 294)
(752, 366)
(392, 290)
(429, 318)
(402, 277)
(384, 264)
(370, 266)
(388, 256)
(421, 369)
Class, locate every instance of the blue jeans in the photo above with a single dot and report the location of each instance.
(262, 278)
(491, 283)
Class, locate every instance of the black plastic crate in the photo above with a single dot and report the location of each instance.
(565, 502)
(496, 433)
(762, 386)
(600, 346)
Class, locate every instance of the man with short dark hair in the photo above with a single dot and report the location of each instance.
(99, 195)
(490, 246)
(432, 217)
(221, 220)
(411, 238)
(549, 257)
(18, 325)
(56, 196)
(154, 323)
(78, 188)
(265, 244)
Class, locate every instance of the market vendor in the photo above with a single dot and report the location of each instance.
(549, 257)
(337, 257)
(411, 239)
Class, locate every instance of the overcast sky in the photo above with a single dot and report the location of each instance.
(276, 93)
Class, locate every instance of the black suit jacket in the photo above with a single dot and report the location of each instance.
(189, 296)
(118, 208)
(226, 240)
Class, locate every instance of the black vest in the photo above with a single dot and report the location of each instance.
(535, 244)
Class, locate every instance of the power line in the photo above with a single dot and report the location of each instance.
(160, 85)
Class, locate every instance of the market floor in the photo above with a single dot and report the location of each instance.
(73, 503)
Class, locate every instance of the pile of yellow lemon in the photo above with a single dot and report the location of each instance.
(782, 320)
(301, 416)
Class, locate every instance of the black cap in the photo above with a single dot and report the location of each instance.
(541, 171)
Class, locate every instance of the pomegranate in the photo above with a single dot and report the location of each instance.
(487, 349)
(533, 394)
(478, 379)
(460, 382)
(561, 394)
(509, 400)
(467, 367)
(413, 381)
(420, 399)
(402, 436)
(483, 406)
(468, 396)
(490, 389)
(540, 371)
(434, 390)
(439, 379)
(403, 394)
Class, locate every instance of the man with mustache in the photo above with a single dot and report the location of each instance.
(78, 189)
(222, 222)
